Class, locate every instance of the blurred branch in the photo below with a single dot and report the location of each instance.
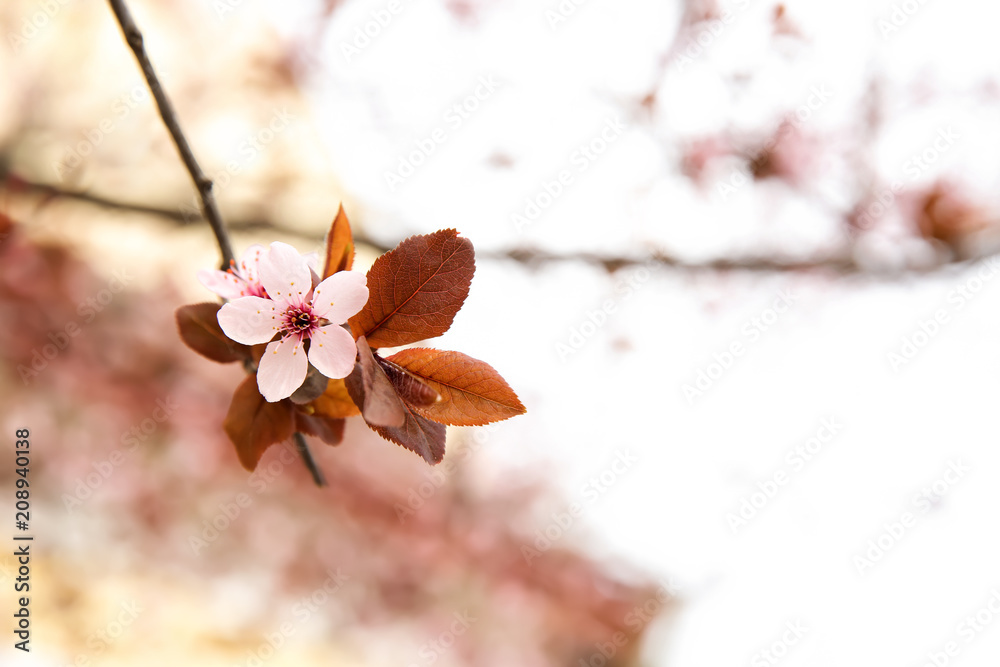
(174, 215)
(538, 257)
(841, 265)
(204, 184)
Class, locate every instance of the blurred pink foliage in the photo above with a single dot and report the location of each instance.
(459, 550)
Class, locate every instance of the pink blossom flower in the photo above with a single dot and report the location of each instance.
(243, 279)
(299, 315)
(239, 279)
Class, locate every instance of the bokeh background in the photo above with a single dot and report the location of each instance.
(736, 258)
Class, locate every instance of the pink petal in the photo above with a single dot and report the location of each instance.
(332, 351)
(312, 260)
(250, 320)
(284, 274)
(340, 296)
(250, 262)
(223, 283)
(282, 369)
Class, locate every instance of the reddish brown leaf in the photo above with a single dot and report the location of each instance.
(330, 431)
(339, 246)
(256, 352)
(417, 434)
(472, 392)
(311, 388)
(199, 328)
(253, 424)
(411, 389)
(416, 289)
(371, 390)
(335, 402)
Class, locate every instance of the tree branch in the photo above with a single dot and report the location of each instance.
(840, 265)
(47, 191)
(307, 458)
(204, 184)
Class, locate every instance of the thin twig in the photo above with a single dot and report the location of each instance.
(48, 191)
(533, 257)
(835, 265)
(307, 458)
(204, 184)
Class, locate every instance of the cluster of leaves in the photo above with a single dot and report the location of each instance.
(415, 291)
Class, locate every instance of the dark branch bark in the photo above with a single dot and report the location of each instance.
(173, 215)
(204, 184)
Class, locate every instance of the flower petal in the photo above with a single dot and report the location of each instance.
(250, 262)
(312, 260)
(284, 274)
(250, 320)
(282, 369)
(223, 283)
(340, 296)
(332, 351)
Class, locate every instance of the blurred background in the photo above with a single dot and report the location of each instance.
(737, 260)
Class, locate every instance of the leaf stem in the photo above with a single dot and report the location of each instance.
(300, 444)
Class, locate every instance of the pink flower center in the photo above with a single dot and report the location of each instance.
(300, 321)
(252, 285)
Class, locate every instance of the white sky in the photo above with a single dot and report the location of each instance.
(826, 357)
